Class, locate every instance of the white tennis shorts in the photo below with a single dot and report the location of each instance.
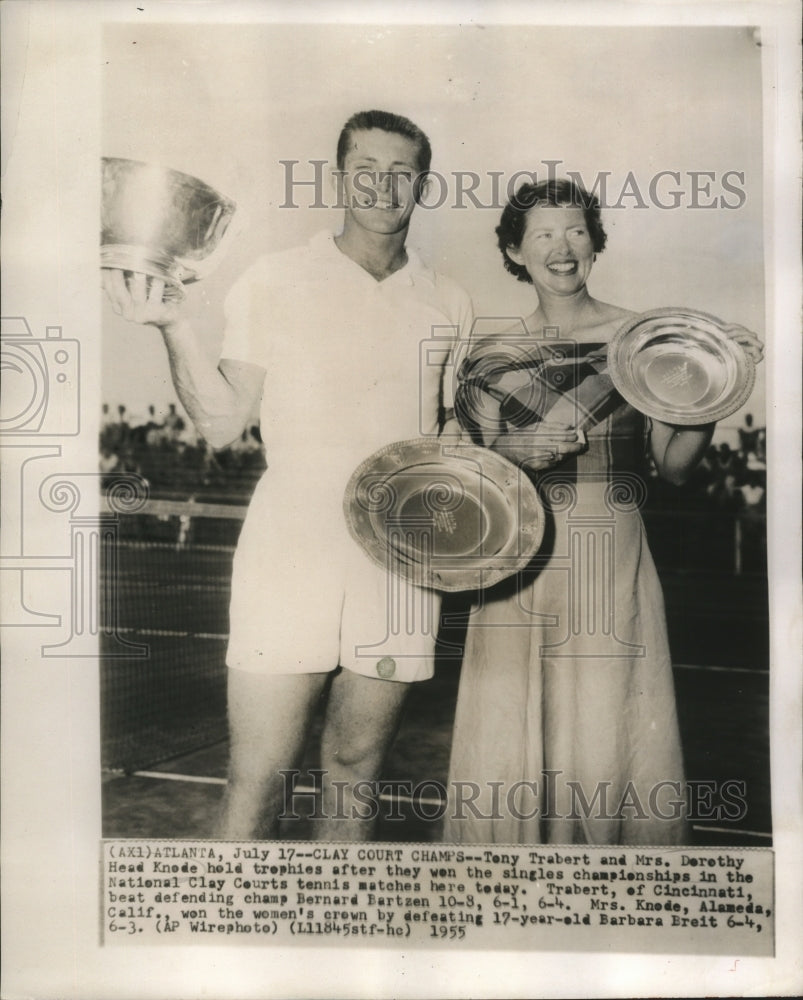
(306, 598)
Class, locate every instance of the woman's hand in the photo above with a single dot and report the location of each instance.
(747, 340)
(541, 447)
(140, 298)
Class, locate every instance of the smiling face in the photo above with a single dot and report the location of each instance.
(379, 173)
(556, 249)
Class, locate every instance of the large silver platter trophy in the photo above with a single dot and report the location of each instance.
(461, 517)
(160, 222)
(680, 366)
(445, 517)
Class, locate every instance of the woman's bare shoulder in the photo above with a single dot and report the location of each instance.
(617, 313)
(606, 321)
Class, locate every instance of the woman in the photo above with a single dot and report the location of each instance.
(566, 729)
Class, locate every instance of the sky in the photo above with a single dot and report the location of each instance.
(230, 103)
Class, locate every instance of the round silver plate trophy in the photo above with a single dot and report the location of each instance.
(444, 517)
(680, 366)
(159, 222)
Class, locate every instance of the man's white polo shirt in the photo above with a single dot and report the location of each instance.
(351, 364)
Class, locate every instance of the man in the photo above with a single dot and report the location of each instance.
(329, 334)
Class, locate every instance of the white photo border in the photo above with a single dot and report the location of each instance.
(52, 59)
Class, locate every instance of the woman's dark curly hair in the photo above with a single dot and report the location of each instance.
(557, 191)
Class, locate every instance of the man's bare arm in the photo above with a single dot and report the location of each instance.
(218, 398)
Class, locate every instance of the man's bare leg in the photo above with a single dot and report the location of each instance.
(362, 719)
(269, 719)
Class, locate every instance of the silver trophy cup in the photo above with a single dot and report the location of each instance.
(159, 222)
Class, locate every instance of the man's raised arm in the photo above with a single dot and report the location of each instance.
(218, 398)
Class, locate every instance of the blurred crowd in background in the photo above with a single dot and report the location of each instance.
(715, 522)
(175, 462)
(166, 451)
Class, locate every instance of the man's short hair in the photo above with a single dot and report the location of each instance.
(559, 192)
(363, 121)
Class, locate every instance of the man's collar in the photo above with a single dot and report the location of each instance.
(323, 244)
